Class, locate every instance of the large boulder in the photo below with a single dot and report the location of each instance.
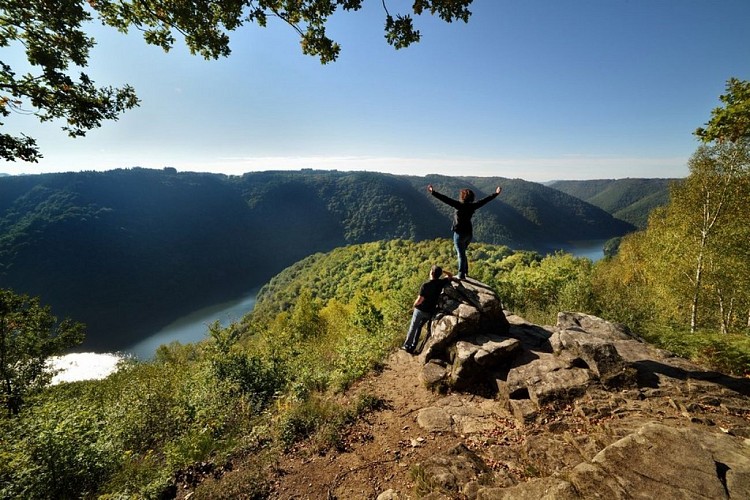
(666, 462)
(468, 337)
(592, 340)
(549, 379)
(656, 461)
(472, 346)
(581, 351)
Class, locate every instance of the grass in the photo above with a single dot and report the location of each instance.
(727, 353)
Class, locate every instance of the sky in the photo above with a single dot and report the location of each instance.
(536, 89)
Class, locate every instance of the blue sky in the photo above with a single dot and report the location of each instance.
(532, 89)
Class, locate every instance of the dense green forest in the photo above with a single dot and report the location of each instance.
(254, 389)
(127, 251)
(631, 200)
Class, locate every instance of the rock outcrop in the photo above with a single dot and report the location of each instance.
(640, 422)
(467, 338)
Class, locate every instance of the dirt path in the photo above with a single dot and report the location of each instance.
(382, 449)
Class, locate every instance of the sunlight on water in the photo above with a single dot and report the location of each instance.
(188, 329)
(84, 366)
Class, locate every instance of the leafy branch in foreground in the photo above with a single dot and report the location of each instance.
(54, 38)
(29, 336)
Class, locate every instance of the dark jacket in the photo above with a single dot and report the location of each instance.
(464, 212)
(430, 291)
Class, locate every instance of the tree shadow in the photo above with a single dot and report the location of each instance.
(649, 371)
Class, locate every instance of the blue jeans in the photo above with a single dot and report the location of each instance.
(461, 242)
(418, 319)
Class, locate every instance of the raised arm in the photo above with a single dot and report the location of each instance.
(489, 198)
(443, 198)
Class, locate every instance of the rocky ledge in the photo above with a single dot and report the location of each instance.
(590, 410)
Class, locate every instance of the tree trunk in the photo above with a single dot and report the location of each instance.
(724, 312)
(697, 287)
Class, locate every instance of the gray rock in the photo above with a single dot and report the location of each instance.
(601, 357)
(666, 462)
(390, 494)
(585, 393)
(435, 420)
(433, 374)
(547, 488)
(560, 386)
(466, 308)
(524, 411)
(548, 379)
(453, 470)
(475, 356)
(594, 326)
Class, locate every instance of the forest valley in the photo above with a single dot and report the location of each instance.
(277, 381)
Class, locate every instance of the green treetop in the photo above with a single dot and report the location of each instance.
(29, 336)
(732, 121)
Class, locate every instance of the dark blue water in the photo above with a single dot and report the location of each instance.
(194, 326)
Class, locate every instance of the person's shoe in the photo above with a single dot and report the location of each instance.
(461, 276)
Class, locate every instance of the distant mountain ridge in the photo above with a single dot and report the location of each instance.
(129, 250)
(631, 200)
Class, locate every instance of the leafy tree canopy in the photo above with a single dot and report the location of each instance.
(53, 35)
(732, 121)
(29, 336)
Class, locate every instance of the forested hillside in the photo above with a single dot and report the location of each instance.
(234, 415)
(129, 250)
(631, 200)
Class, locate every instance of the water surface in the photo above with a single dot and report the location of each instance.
(194, 326)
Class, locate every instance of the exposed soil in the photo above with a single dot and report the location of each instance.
(381, 449)
(384, 451)
(387, 448)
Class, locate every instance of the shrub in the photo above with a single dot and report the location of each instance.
(257, 379)
(724, 352)
(60, 449)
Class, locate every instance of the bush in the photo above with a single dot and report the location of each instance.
(303, 419)
(245, 484)
(722, 352)
(256, 379)
(58, 449)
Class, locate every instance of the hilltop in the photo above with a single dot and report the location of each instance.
(680, 430)
(631, 200)
(128, 251)
(309, 393)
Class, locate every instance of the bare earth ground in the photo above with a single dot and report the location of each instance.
(382, 449)
(385, 449)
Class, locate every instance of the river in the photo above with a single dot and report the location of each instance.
(591, 249)
(194, 327)
(190, 328)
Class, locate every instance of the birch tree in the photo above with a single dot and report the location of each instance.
(709, 205)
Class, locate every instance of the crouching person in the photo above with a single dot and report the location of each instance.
(425, 306)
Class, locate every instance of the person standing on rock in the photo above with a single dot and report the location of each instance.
(425, 306)
(462, 229)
